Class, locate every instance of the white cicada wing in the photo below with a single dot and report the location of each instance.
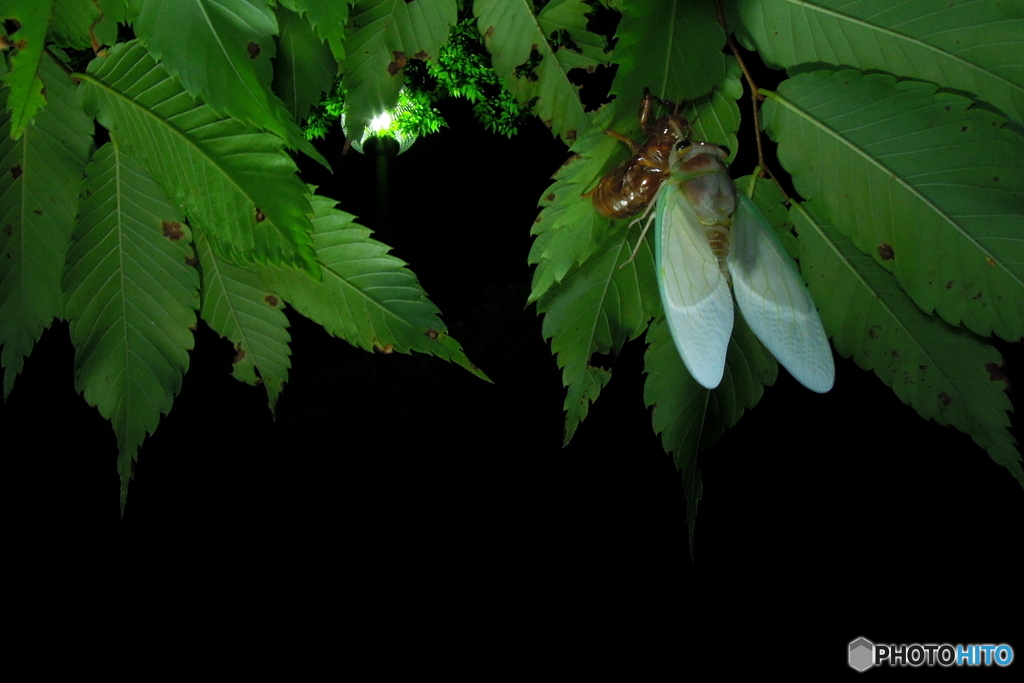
(774, 300)
(694, 292)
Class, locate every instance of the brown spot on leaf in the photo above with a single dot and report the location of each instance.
(991, 262)
(8, 229)
(489, 32)
(551, 197)
(16, 171)
(949, 285)
(431, 333)
(963, 129)
(977, 296)
(547, 122)
(570, 135)
(421, 55)
(386, 349)
(400, 61)
(172, 230)
(37, 212)
(895, 353)
(945, 398)
(873, 331)
(254, 50)
(260, 216)
(995, 179)
(192, 261)
(996, 373)
(239, 353)
(886, 252)
(272, 300)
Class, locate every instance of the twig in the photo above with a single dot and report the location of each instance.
(755, 96)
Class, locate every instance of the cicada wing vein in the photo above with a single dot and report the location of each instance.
(774, 300)
(694, 292)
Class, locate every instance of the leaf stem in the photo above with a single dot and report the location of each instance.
(755, 96)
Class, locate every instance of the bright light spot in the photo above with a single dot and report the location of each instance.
(381, 123)
(385, 124)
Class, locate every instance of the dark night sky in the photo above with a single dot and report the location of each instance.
(398, 485)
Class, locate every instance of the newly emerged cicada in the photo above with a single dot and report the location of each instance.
(628, 188)
(708, 236)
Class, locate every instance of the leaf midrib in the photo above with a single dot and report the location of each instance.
(182, 136)
(892, 175)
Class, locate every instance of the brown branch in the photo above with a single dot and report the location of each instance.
(755, 96)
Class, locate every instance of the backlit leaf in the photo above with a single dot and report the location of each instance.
(382, 35)
(534, 54)
(24, 88)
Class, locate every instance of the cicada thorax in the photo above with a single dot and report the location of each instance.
(703, 178)
(631, 186)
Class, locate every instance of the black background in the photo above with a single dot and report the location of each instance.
(401, 495)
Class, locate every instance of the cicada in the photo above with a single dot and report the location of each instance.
(628, 188)
(707, 235)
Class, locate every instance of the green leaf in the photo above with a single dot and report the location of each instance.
(367, 297)
(328, 18)
(72, 21)
(976, 46)
(221, 50)
(25, 97)
(596, 309)
(131, 298)
(382, 35)
(673, 48)
(238, 183)
(517, 39)
(40, 177)
(237, 305)
(114, 12)
(690, 418)
(304, 68)
(945, 373)
(932, 187)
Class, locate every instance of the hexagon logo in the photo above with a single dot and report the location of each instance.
(862, 654)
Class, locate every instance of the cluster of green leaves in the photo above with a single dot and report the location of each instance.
(189, 201)
(901, 127)
(901, 130)
(462, 69)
